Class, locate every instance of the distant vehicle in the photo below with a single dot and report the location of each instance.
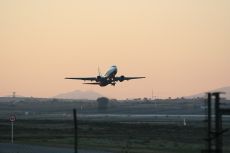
(108, 78)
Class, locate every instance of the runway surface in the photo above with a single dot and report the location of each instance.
(22, 148)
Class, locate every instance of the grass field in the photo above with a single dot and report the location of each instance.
(111, 136)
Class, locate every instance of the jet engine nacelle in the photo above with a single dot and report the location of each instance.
(98, 79)
(122, 78)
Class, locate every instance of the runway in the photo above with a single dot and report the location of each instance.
(23, 148)
(151, 116)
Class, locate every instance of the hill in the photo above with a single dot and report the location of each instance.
(226, 90)
(77, 94)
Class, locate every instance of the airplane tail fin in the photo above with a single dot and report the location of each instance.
(98, 70)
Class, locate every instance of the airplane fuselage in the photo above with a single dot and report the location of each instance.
(109, 77)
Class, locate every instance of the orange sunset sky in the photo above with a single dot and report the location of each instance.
(181, 46)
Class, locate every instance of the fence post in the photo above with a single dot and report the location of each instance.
(75, 131)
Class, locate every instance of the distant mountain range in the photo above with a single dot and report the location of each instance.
(77, 94)
(226, 90)
(91, 95)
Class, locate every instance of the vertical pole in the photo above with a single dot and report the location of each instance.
(75, 131)
(220, 133)
(209, 122)
(218, 123)
(12, 132)
(152, 94)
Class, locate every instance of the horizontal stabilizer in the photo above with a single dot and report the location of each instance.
(127, 78)
(85, 79)
(95, 83)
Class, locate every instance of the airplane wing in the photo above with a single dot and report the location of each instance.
(85, 79)
(122, 78)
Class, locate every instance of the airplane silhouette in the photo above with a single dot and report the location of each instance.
(108, 78)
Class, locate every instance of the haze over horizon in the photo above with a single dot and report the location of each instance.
(182, 47)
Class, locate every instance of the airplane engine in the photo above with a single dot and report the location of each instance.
(122, 78)
(98, 79)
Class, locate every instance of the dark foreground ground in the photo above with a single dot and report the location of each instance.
(159, 126)
(120, 137)
(21, 148)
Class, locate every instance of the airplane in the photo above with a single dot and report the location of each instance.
(109, 78)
